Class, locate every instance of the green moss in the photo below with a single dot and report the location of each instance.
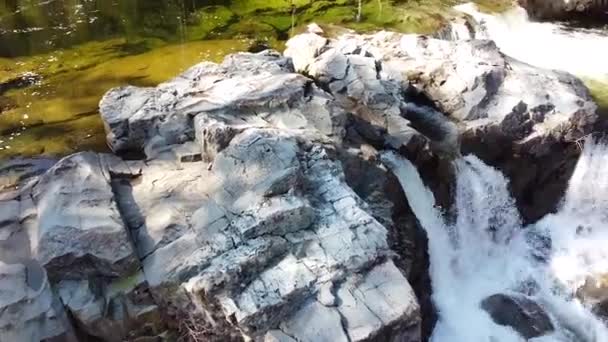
(248, 7)
(599, 92)
(252, 30)
(206, 20)
(127, 284)
(329, 15)
(59, 115)
(280, 22)
(494, 6)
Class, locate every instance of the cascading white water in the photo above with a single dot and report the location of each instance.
(582, 52)
(487, 251)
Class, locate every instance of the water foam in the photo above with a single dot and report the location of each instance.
(582, 52)
(487, 251)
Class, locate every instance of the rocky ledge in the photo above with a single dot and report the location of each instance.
(244, 199)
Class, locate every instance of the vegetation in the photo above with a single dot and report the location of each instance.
(599, 91)
(81, 49)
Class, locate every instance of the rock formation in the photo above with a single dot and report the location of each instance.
(238, 209)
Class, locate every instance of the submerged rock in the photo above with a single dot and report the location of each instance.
(520, 313)
(6, 104)
(22, 80)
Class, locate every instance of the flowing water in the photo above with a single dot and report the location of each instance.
(487, 251)
(578, 49)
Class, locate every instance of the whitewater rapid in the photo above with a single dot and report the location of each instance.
(487, 251)
(582, 52)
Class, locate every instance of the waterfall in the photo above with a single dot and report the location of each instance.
(582, 52)
(487, 251)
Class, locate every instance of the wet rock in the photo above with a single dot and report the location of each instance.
(594, 293)
(563, 9)
(18, 81)
(520, 313)
(6, 103)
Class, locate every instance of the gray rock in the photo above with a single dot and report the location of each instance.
(594, 293)
(229, 234)
(519, 312)
(80, 232)
(254, 86)
(412, 92)
(248, 218)
(28, 309)
(468, 80)
(563, 9)
(112, 310)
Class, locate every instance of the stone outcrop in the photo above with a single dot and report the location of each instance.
(250, 204)
(240, 218)
(510, 114)
(492, 97)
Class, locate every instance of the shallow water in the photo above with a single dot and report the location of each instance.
(82, 48)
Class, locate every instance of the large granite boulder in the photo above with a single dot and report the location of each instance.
(67, 220)
(515, 116)
(254, 86)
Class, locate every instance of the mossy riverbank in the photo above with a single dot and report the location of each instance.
(145, 43)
